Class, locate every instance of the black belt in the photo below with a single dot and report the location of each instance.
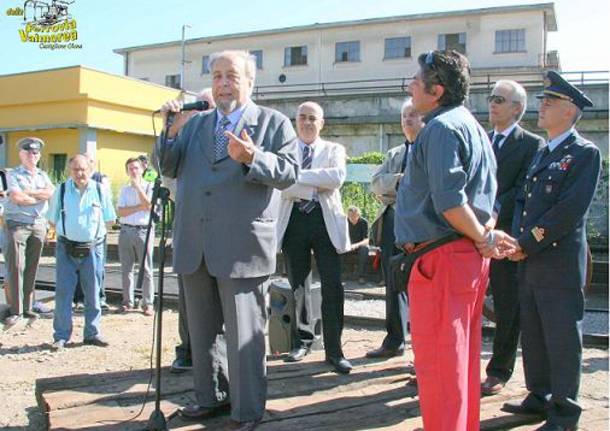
(79, 243)
(135, 226)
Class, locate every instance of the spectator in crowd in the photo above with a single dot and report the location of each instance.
(79, 210)
(550, 229)
(29, 189)
(444, 204)
(183, 361)
(134, 211)
(514, 149)
(228, 164)
(384, 184)
(359, 239)
(311, 219)
(78, 292)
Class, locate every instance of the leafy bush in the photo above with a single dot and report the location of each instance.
(597, 222)
(370, 158)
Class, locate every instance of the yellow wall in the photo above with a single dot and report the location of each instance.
(56, 141)
(113, 149)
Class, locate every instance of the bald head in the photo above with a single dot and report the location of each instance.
(80, 170)
(313, 106)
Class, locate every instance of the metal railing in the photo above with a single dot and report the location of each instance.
(385, 86)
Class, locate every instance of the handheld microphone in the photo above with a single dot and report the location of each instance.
(200, 105)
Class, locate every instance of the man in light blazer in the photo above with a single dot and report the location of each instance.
(384, 184)
(312, 218)
(229, 163)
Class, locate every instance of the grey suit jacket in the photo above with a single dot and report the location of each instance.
(387, 176)
(226, 212)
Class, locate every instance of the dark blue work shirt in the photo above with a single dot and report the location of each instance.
(451, 164)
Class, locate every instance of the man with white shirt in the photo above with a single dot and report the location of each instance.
(134, 211)
(311, 219)
(514, 149)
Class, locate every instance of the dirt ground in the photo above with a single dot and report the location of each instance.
(25, 356)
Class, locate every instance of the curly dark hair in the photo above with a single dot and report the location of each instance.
(449, 69)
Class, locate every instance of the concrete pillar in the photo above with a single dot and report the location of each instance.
(87, 138)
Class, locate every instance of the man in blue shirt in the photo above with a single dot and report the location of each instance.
(79, 209)
(449, 188)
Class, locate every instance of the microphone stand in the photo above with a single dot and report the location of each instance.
(160, 196)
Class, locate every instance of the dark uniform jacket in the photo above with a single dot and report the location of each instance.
(551, 210)
(513, 159)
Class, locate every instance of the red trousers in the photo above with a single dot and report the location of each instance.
(446, 293)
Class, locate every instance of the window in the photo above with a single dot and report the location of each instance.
(172, 81)
(346, 52)
(450, 41)
(398, 47)
(295, 56)
(58, 166)
(510, 40)
(258, 53)
(205, 65)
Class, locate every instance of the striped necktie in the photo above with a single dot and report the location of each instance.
(307, 206)
(220, 139)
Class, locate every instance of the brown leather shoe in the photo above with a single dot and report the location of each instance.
(492, 386)
(196, 411)
(241, 426)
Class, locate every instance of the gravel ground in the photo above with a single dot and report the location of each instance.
(594, 322)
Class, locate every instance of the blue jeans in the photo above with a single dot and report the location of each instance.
(68, 271)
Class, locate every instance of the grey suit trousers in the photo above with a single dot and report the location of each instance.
(229, 362)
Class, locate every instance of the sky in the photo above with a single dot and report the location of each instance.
(104, 25)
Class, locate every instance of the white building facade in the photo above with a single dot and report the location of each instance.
(358, 55)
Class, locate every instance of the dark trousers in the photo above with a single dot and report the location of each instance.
(504, 288)
(551, 339)
(395, 302)
(307, 232)
(183, 350)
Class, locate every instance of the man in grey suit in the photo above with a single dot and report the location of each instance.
(384, 184)
(229, 163)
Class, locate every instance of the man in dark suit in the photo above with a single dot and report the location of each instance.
(229, 163)
(514, 148)
(551, 244)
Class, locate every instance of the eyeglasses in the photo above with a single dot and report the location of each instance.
(494, 98)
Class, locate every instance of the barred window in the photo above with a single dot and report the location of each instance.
(258, 53)
(510, 40)
(398, 47)
(346, 52)
(205, 65)
(295, 55)
(456, 41)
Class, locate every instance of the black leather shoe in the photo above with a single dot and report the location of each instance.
(554, 427)
(523, 408)
(297, 354)
(342, 365)
(196, 411)
(384, 352)
(96, 341)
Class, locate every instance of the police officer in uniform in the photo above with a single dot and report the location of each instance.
(550, 230)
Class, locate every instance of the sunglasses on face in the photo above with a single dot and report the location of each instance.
(498, 100)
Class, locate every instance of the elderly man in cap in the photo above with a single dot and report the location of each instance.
(29, 189)
(551, 244)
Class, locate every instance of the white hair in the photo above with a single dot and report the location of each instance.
(314, 105)
(406, 104)
(517, 94)
(249, 60)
